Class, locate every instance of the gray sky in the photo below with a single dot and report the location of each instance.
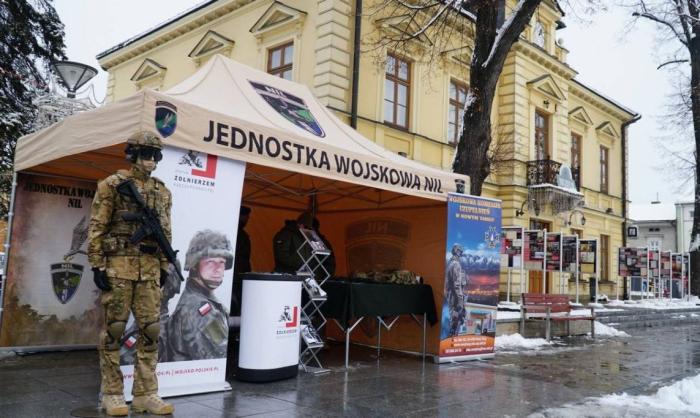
(623, 67)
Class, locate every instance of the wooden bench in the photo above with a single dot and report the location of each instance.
(547, 307)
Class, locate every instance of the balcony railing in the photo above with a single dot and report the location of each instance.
(546, 172)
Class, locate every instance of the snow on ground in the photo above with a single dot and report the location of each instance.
(608, 331)
(664, 304)
(517, 341)
(501, 315)
(682, 398)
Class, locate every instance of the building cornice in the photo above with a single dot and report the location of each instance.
(181, 24)
(597, 100)
(546, 60)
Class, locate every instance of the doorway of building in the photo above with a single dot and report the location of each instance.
(535, 276)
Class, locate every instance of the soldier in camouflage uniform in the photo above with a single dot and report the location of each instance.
(454, 294)
(129, 276)
(200, 321)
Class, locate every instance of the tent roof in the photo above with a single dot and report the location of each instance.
(235, 111)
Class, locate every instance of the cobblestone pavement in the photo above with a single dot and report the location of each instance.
(512, 384)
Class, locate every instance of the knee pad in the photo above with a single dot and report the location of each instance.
(150, 335)
(115, 330)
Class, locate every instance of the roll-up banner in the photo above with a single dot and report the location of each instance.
(50, 299)
(472, 269)
(206, 193)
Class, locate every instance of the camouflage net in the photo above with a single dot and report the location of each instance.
(388, 276)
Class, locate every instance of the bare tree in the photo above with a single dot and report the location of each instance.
(679, 22)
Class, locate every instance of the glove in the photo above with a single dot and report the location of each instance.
(163, 277)
(100, 279)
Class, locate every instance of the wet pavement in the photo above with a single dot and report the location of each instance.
(513, 384)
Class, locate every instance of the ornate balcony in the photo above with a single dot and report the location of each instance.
(547, 172)
(553, 187)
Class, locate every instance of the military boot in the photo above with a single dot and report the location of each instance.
(151, 404)
(114, 405)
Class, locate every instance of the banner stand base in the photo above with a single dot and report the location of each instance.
(189, 390)
(447, 360)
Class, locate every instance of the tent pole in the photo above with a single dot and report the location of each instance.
(10, 216)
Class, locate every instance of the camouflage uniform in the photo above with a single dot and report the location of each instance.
(128, 342)
(200, 321)
(454, 295)
(133, 272)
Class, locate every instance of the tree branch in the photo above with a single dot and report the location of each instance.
(511, 30)
(653, 18)
(671, 62)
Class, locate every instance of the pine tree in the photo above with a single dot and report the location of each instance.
(31, 37)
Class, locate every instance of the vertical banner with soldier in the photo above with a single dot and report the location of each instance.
(50, 299)
(472, 270)
(206, 194)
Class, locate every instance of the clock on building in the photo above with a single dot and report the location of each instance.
(539, 35)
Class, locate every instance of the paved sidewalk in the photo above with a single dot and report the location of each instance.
(512, 384)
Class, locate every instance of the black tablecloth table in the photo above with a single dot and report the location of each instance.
(350, 301)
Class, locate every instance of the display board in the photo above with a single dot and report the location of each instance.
(632, 262)
(50, 299)
(676, 266)
(588, 256)
(553, 253)
(512, 247)
(533, 250)
(654, 257)
(472, 269)
(665, 272)
(569, 247)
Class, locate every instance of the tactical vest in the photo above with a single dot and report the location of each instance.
(116, 243)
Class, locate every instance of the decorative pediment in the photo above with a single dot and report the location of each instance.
(210, 44)
(403, 25)
(546, 85)
(607, 129)
(276, 16)
(149, 70)
(580, 115)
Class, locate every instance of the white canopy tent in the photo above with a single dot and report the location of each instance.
(234, 111)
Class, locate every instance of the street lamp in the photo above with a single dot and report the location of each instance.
(73, 75)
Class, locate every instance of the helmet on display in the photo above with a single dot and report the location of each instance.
(140, 141)
(145, 139)
(208, 244)
(457, 250)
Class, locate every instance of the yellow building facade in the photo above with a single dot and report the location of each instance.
(541, 113)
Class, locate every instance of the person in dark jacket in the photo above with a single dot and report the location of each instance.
(241, 263)
(288, 240)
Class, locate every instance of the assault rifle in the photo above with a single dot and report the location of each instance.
(150, 224)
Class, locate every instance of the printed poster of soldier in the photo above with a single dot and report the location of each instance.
(206, 190)
(569, 246)
(472, 270)
(588, 255)
(533, 250)
(512, 247)
(553, 255)
(50, 299)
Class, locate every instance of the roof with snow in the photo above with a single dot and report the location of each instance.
(652, 212)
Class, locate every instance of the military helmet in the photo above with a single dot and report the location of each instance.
(145, 139)
(457, 250)
(208, 244)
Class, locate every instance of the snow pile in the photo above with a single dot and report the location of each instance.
(664, 304)
(515, 341)
(679, 399)
(605, 330)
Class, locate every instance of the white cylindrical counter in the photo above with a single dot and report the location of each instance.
(270, 316)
